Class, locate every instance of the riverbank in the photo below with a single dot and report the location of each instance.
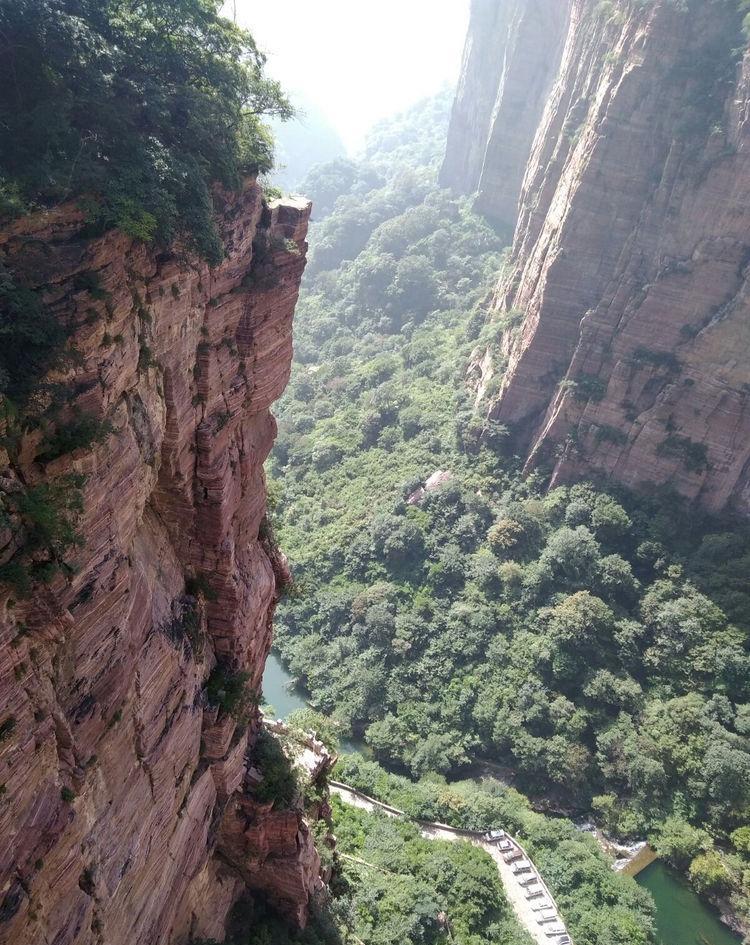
(628, 859)
(682, 918)
(642, 859)
(711, 920)
(284, 694)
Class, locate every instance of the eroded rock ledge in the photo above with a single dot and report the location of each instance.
(116, 772)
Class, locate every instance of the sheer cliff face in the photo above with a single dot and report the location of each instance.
(118, 778)
(628, 277)
(510, 60)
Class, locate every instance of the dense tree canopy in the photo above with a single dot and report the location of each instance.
(403, 884)
(139, 106)
(599, 907)
(593, 642)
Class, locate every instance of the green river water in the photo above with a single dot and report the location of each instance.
(681, 917)
(284, 697)
(279, 690)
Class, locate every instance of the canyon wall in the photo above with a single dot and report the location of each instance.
(510, 60)
(120, 781)
(623, 319)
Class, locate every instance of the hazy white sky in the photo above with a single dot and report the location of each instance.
(358, 60)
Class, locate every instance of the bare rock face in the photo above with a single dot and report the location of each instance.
(626, 306)
(439, 478)
(116, 773)
(510, 60)
(274, 853)
(272, 849)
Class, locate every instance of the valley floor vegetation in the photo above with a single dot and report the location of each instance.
(593, 642)
(404, 888)
(599, 907)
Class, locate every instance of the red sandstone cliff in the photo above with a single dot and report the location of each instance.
(626, 306)
(117, 776)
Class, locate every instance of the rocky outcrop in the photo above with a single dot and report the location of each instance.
(116, 771)
(273, 852)
(510, 60)
(625, 311)
(271, 848)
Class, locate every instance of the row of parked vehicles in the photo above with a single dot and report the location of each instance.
(535, 892)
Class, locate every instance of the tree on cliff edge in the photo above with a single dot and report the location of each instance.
(138, 105)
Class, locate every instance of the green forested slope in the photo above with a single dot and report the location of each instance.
(402, 883)
(595, 642)
(599, 907)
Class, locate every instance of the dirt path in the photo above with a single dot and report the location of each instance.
(527, 911)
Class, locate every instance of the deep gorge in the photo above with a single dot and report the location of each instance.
(503, 518)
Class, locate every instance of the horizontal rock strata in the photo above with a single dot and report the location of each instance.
(116, 773)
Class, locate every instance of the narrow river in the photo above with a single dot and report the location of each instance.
(280, 692)
(681, 917)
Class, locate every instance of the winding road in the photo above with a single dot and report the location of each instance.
(539, 916)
